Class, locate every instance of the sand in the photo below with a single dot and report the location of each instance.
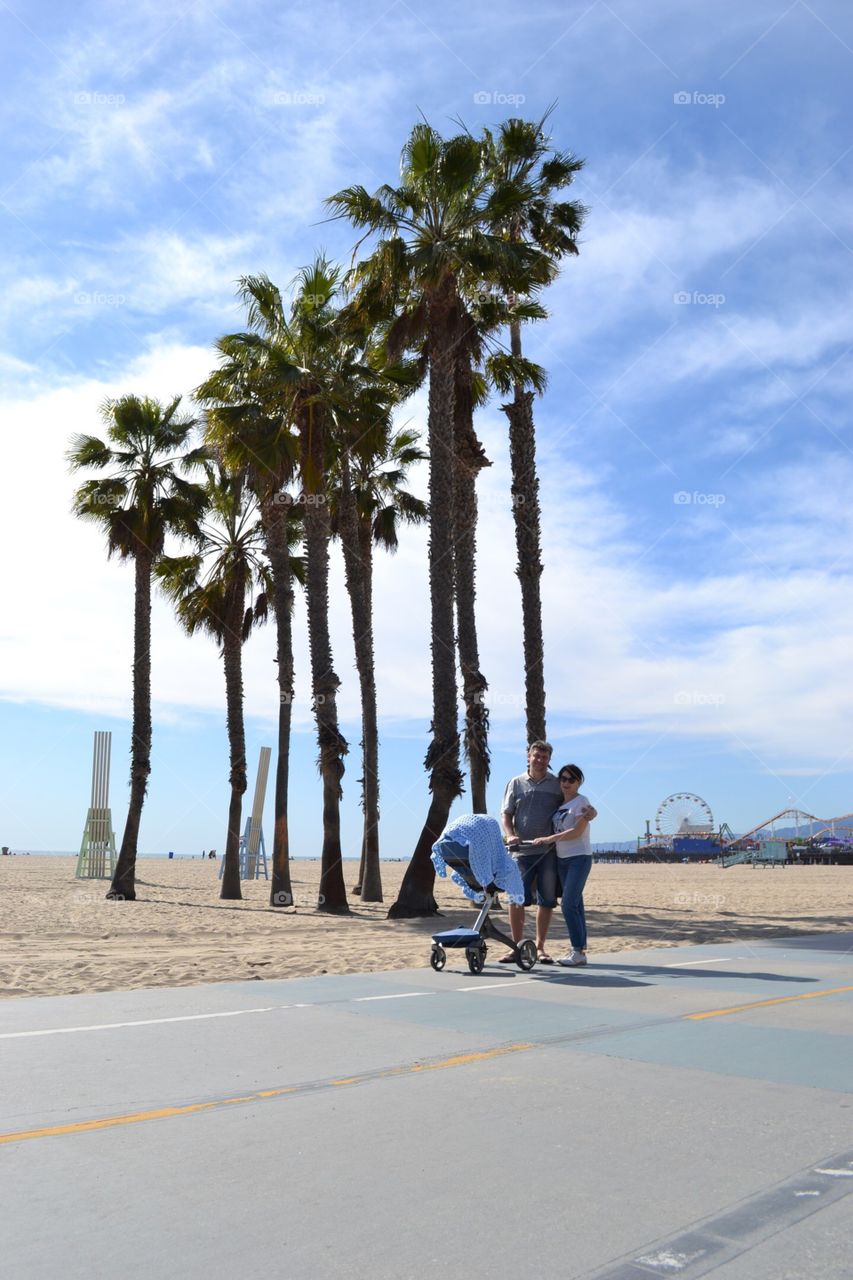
(58, 935)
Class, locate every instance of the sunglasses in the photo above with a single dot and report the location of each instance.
(566, 777)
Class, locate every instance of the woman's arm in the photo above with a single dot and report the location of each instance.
(572, 834)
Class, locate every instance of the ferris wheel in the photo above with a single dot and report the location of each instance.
(683, 814)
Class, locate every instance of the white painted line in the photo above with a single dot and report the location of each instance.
(690, 964)
(398, 995)
(487, 986)
(806, 1193)
(147, 1022)
(836, 1173)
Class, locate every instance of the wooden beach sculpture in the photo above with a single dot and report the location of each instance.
(97, 857)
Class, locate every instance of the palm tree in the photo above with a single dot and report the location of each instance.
(304, 352)
(139, 503)
(433, 227)
(248, 427)
(470, 460)
(528, 175)
(368, 503)
(209, 590)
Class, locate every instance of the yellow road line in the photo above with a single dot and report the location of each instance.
(763, 1004)
(165, 1113)
(460, 1060)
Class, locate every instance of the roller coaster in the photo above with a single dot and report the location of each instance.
(793, 836)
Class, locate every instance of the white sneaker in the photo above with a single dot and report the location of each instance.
(573, 961)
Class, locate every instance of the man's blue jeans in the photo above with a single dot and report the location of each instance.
(573, 874)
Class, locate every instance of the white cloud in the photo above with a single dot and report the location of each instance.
(733, 656)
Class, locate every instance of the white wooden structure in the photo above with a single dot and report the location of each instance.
(97, 857)
(253, 851)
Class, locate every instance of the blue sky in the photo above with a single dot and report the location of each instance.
(694, 438)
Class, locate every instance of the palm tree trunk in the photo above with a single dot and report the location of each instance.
(324, 682)
(357, 575)
(274, 516)
(123, 884)
(470, 458)
(232, 651)
(526, 513)
(442, 758)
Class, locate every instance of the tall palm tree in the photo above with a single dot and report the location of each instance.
(210, 590)
(141, 500)
(433, 227)
(305, 351)
(368, 502)
(480, 364)
(528, 176)
(247, 425)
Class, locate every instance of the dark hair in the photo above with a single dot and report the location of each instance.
(574, 771)
(541, 746)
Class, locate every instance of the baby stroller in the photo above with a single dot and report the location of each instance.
(472, 849)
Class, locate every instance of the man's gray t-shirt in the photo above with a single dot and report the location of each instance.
(532, 805)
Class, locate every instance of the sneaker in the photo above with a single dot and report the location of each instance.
(573, 961)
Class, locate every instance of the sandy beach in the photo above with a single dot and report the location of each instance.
(59, 935)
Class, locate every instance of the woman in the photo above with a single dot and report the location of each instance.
(570, 824)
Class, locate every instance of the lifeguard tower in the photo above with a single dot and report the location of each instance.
(253, 852)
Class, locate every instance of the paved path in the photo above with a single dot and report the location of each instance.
(681, 1112)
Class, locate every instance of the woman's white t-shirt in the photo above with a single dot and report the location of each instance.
(566, 817)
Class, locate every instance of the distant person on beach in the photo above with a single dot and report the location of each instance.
(528, 804)
(570, 837)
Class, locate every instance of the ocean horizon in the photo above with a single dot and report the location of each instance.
(174, 857)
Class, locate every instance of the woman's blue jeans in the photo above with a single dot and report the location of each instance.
(573, 874)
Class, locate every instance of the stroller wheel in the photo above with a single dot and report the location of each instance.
(476, 959)
(526, 955)
(438, 958)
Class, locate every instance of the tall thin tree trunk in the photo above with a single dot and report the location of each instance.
(123, 884)
(442, 759)
(526, 513)
(470, 458)
(325, 683)
(275, 515)
(232, 651)
(370, 878)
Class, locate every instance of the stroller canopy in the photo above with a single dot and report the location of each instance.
(477, 839)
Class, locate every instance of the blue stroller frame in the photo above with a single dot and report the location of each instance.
(456, 856)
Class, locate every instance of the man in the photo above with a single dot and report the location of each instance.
(529, 804)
